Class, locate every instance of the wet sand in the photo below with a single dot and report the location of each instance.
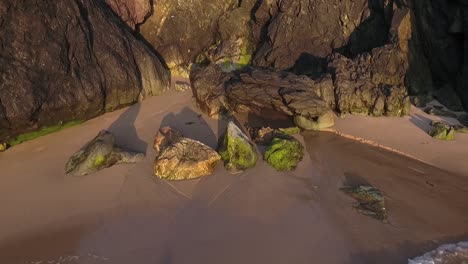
(124, 215)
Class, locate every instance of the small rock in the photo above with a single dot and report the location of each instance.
(370, 201)
(3, 147)
(439, 112)
(284, 154)
(100, 153)
(237, 151)
(324, 121)
(182, 86)
(181, 158)
(442, 131)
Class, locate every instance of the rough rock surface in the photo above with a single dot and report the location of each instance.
(236, 149)
(68, 60)
(98, 154)
(132, 12)
(284, 153)
(264, 135)
(372, 83)
(370, 201)
(181, 158)
(324, 121)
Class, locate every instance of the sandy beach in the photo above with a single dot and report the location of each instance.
(124, 215)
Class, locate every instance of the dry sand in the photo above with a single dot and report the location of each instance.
(124, 215)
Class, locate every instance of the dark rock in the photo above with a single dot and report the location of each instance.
(439, 112)
(265, 135)
(98, 154)
(181, 158)
(372, 83)
(237, 151)
(69, 60)
(463, 119)
(370, 201)
(449, 98)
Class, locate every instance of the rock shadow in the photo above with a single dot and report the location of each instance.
(125, 131)
(192, 125)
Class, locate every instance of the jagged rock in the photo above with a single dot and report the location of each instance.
(208, 88)
(264, 135)
(284, 153)
(237, 151)
(372, 83)
(181, 158)
(439, 112)
(77, 61)
(370, 201)
(442, 131)
(182, 86)
(324, 121)
(98, 154)
(461, 129)
(132, 12)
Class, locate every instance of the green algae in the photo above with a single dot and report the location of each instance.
(370, 201)
(42, 132)
(441, 131)
(238, 154)
(284, 154)
(99, 161)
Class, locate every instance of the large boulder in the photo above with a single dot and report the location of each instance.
(181, 158)
(98, 154)
(284, 153)
(372, 83)
(237, 151)
(132, 12)
(69, 60)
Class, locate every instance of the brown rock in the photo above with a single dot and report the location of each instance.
(132, 12)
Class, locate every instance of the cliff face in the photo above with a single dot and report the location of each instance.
(300, 35)
(68, 60)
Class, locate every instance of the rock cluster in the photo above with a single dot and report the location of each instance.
(98, 154)
(370, 201)
(443, 131)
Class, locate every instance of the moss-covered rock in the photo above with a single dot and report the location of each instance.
(237, 151)
(264, 135)
(3, 147)
(370, 201)
(442, 131)
(324, 121)
(284, 154)
(98, 154)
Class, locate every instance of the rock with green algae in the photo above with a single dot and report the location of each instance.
(236, 149)
(324, 121)
(442, 131)
(264, 135)
(3, 147)
(284, 154)
(370, 201)
(98, 154)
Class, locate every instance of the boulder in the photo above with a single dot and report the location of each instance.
(77, 62)
(372, 83)
(3, 147)
(132, 12)
(442, 131)
(237, 151)
(463, 119)
(439, 112)
(370, 201)
(324, 121)
(98, 154)
(284, 153)
(181, 158)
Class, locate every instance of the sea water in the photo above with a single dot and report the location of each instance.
(446, 254)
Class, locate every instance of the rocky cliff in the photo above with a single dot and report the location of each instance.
(69, 60)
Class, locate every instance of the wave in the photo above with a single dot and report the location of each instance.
(446, 254)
